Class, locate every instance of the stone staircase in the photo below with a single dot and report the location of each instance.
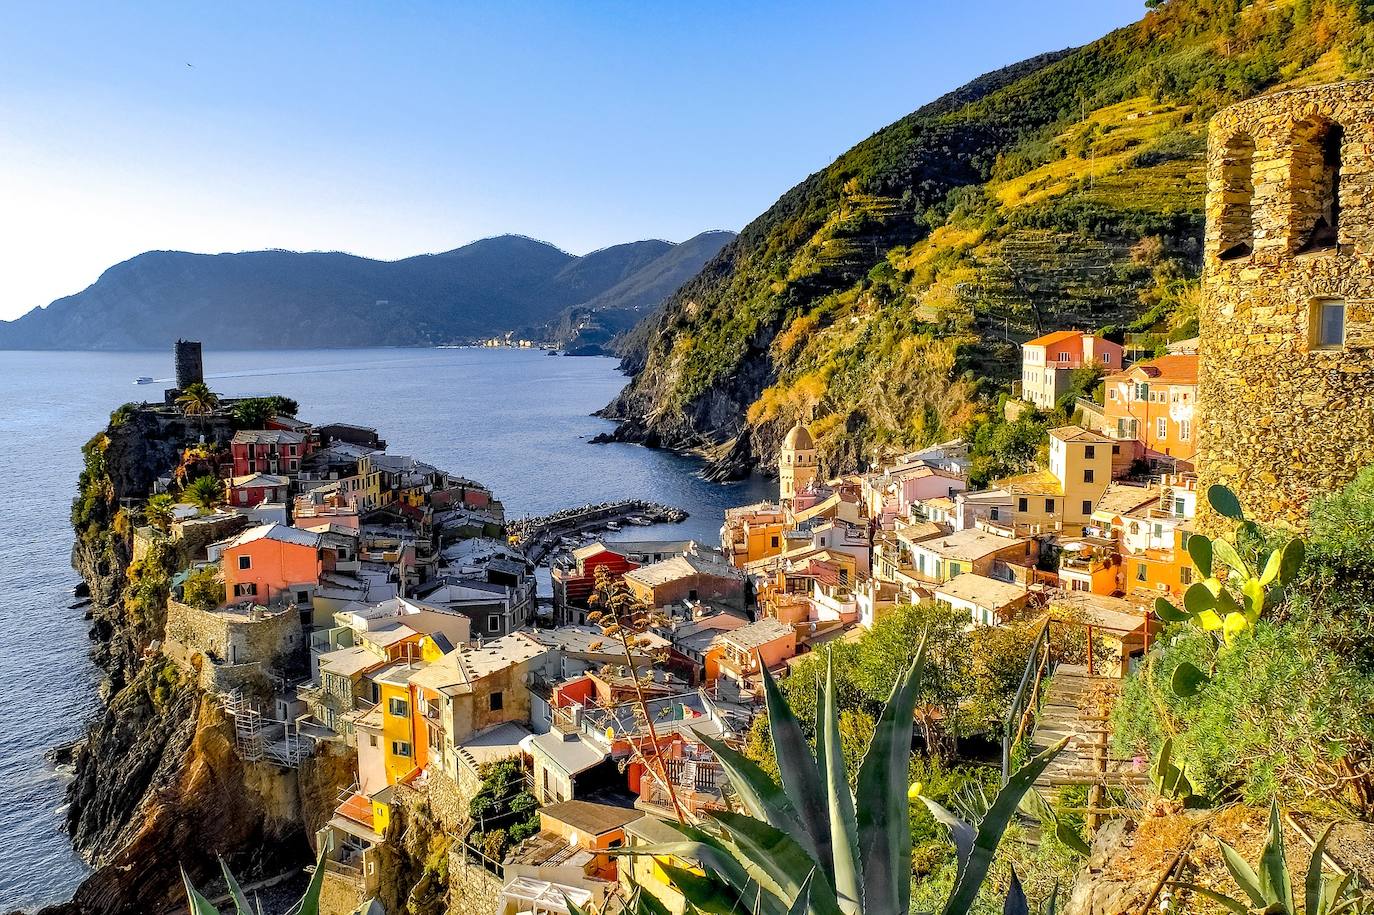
(1078, 705)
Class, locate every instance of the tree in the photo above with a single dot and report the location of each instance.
(197, 400)
(204, 589)
(254, 412)
(205, 492)
(158, 511)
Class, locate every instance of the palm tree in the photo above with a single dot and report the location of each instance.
(198, 400)
(158, 511)
(205, 492)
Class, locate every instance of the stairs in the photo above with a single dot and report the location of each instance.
(1078, 706)
(257, 738)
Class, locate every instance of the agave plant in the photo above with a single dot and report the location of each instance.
(1229, 601)
(811, 847)
(308, 904)
(1268, 887)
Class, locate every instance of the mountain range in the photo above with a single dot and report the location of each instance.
(884, 297)
(285, 298)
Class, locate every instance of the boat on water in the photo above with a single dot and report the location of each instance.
(612, 526)
(144, 379)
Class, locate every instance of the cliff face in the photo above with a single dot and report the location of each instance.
(159, 784)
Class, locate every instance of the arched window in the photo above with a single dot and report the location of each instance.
(1316, 183)
(1237, 196)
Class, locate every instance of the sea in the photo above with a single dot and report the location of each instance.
(518, 420)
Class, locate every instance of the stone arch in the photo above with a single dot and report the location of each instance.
(1236, 227)
(1314, 184)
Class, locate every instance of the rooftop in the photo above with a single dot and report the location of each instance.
(1036, 483)
(260, 479)
(969, 544)
(1177, 368)
(348, 661)
(680, 567)
(1058, 336)
(1079, 434)
(756, 634)
(572, 754)
(588, 817)
(981, 591)
(268, 437)
(456, 671)
(278, 532)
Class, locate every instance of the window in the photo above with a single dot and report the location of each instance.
(993, 514)
(1063, 357)
(773, 542)
(1089, 452)
(1023, 505)
(1316, 184)
(1116, 449)
(1087, 506)
(1327, 324)
(1107, 358)
(245, 589)
(400, 748)
(245, 562)
(372, 740)
(399, 708)
(1185, 575)
(692, 594)
(1162, 427)
(493, 623)
(1112, 394)
(1141, 573)
(1185, 429)
(302, 597)
(1049, 505)
(1088, 476)
(497, 701)
(1235, 229)
(1142, 391)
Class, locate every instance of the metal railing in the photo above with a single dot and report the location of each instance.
(1038, 666)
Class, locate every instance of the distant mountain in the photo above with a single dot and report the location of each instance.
(287, 298)
(598, 324)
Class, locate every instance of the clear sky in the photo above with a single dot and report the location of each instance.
(394, 128)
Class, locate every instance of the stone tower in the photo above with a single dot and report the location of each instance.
(188, 364)
(796, 462)
(1286, 379)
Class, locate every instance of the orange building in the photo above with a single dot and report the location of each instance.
(1047, 361)
(752, 532)
(1154, 403)
(272, 561)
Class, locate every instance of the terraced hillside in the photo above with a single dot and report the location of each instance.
(885, 295)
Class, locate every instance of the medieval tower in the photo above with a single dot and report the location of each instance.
(796, 463)
(188, 363)
(1286, 383)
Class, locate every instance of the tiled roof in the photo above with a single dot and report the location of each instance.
(981, 590)
(1040, 482)
(1079, 434)
(279, 532)
(1059, 336)
(587, 817)
(756, 634)
(968, 544)
(268, 437)
(1180, 368)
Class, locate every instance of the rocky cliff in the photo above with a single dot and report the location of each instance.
(159, 784)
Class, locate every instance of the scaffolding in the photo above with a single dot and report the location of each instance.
(259, 737)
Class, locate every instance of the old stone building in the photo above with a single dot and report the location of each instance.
(1286, 383)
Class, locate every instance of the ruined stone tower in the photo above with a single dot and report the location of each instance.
(1286, 384)
(188, 363)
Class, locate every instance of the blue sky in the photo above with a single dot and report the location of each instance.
(390, 129)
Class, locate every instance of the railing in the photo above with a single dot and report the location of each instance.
(1038, 667)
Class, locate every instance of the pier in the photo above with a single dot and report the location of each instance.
(540, 535)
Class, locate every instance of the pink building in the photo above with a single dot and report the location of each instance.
(256, 488)
(1047, 361)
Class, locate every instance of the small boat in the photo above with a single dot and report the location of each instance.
(612, 526)
(144, 379)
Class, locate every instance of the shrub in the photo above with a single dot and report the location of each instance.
(204, 589)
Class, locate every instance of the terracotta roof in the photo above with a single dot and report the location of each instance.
(1180, 368)
(1059, 336)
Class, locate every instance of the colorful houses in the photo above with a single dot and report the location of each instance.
(257, 488)
(1155, 404)
(1062, 498)
(273, 451)
(272, 562)
(1046, 363)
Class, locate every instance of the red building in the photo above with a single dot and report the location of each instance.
(274, 451)
(256, 488)
(572, 587)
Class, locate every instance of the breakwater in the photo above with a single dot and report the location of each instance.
(540, 535)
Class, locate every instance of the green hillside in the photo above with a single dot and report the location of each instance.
(886, 295)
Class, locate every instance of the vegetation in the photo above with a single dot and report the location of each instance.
(158, 511)
(812, 844)
(254, 412)
(197, 399)
(886, 294)
(503, 811)
(206, 493)
(308, 904)
(204, 588)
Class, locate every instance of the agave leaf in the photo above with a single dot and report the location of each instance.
(710, 896)
(762, 797)
(1071, 838)
(241, 905)
(1188, 680)
(1243, 874)
(1223, 550)
(1315, 897)
(1168, 612)
(1293, 553)
(1200, 551)
(961, 833)
(844, 827)
(1015, 903)
(800, 777)
(1197, 599)
(199, 904)
(1275, 883)
(820, 765)
(802, 904)
(646, 903)
(773, 859)
(990, 831)
(1225, 502)
(719, 859)
(309, 903)
(1235, 905)
(883, 809)
(574, 908)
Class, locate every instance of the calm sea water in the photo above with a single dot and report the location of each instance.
(517, 420)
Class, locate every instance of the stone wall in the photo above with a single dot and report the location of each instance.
(1285, 418)
(229, 650)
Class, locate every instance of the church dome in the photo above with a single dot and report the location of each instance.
(799, 439)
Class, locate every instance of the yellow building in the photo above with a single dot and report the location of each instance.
(752, 532)
(1063, 497)
(797, 463)
(398, 743)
